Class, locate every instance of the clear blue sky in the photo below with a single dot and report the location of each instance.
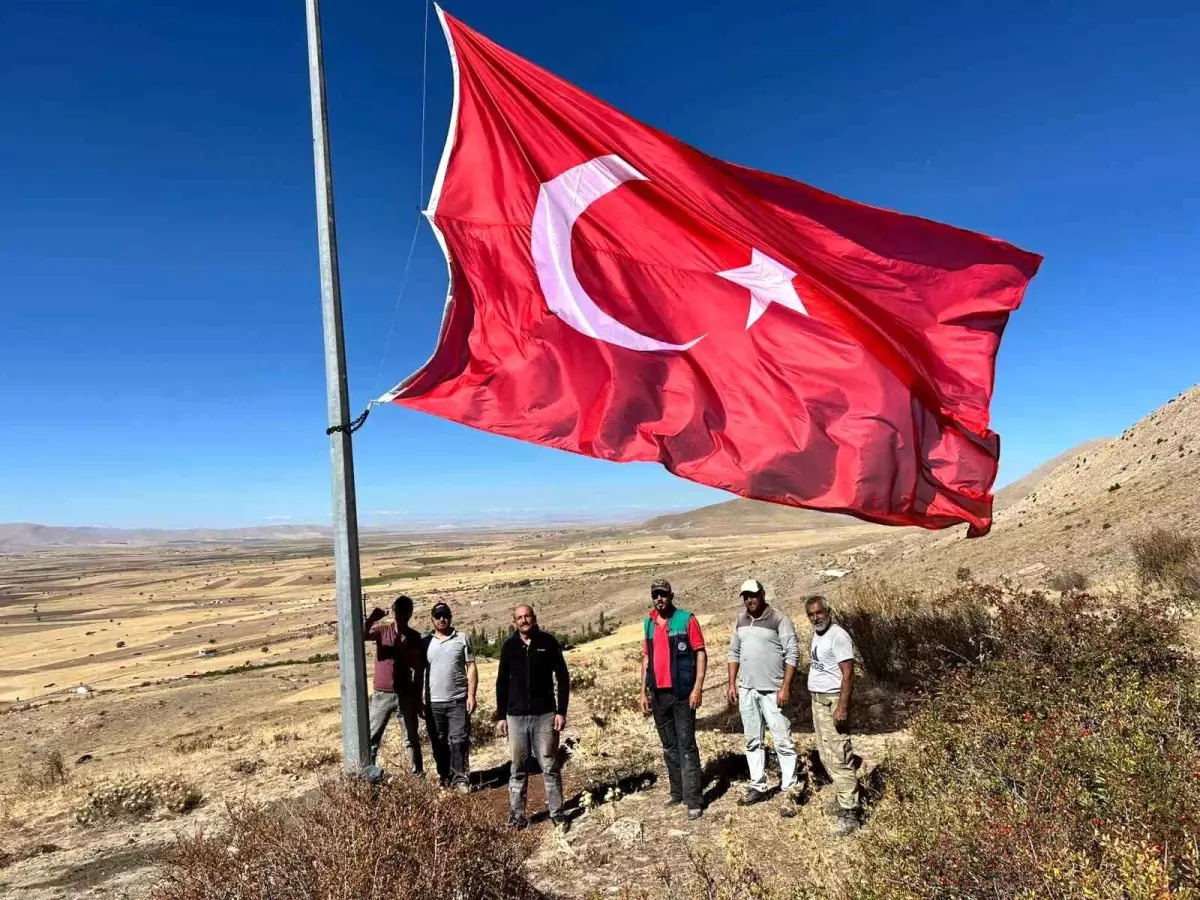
(160, 335)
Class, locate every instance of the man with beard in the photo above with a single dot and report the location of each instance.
(673, 666)
(762, 663)
(831, 683)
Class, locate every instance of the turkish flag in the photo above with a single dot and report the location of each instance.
(617, 293)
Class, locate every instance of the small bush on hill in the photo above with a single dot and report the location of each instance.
(1066, 581)
(354, 840)
(1068, 766)
(47, 771)
(900, 637)
(1171, 560)
(137, 798)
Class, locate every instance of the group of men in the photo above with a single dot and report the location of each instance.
(435, 677)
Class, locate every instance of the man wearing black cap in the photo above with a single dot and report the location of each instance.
(673, 665)
(399, 670)
(450, 682)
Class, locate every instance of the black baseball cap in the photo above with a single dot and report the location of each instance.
(661, 586)
(441, 611)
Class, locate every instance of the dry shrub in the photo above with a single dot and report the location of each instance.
(1171, 560)
(354, 840)
(609, 699)
(310, 760)
(1067, 581)
(246, 765)
(137, 798)
(1067, 766)
(194, 743)
(903, 638)
(47, 771)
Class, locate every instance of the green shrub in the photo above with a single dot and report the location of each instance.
(1068, 766)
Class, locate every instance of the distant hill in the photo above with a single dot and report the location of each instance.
(733, 516)
(20, 536)
(741, 515)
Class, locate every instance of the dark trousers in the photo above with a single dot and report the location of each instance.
(450, 740)
(676, 724)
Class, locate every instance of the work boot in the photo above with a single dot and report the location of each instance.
(791, 800)
(673, 801)
(694, 814)
(848, 821)
(560, 822)
(751, 797)
(517, 820)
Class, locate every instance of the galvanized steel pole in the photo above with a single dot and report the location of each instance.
(345, 514)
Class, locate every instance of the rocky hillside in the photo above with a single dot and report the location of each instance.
(1081, 515)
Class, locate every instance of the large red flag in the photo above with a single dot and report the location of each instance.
(617, 293)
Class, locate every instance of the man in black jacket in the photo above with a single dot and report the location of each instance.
(532, 672)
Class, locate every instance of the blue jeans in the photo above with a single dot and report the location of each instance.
(534, 737)
(383, 705)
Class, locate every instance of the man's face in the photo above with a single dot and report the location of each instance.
(755, 603)
(818, 616)
(403, 612)
(441, 622)
(524, 619)
(661, 600)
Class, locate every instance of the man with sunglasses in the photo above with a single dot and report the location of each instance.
(450, 682)
(673, 665)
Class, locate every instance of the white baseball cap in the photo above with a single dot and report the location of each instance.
(752, 586)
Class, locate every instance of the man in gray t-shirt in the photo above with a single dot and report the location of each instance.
(450, 682)
(763, 653)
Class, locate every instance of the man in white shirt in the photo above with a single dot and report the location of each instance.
(831, 683)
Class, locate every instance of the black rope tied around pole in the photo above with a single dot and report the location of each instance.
(353, 426)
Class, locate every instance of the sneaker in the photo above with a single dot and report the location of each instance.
(751, 797)
(463, 788)
(561, 823)
(517, 821)
(848, 821)
(694, 814)
(673, 801)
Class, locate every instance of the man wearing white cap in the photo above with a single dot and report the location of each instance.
(763, 654)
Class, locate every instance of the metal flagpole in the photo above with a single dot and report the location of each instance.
(345, 514)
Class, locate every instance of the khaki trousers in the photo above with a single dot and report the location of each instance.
(835, 750)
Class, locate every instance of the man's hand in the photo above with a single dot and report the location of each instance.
(644, 703)
(841, 714)
(470, 706)
(784, 695)
(696, 698)
(560, 722)
(733, 694)
(502, 728)
(376, 615)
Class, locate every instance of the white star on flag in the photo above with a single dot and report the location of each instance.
(768, 281)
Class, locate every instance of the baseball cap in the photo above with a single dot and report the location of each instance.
(661, 586)
(441, 610)
(752, 586)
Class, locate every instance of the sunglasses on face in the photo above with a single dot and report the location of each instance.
(442, 618)
(654, 595)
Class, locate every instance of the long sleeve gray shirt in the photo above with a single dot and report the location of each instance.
(762, 647)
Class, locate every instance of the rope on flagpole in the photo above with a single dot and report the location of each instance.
(387, 344)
